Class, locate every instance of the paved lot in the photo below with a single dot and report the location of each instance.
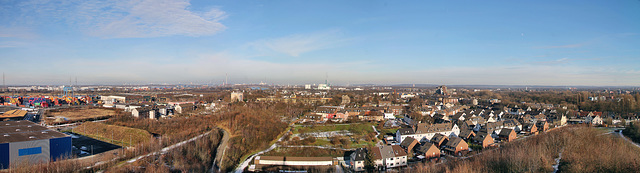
(82, 145)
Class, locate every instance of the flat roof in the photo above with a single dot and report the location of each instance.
(281, 158)
(14, 113)
(19, 131)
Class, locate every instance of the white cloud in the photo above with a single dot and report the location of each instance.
(10, 44)
(553, 62)
(11, 37)
(297, 44)
(118, 18)
(16, 32)
(148, 18)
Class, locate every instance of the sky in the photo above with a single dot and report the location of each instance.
(559, 43)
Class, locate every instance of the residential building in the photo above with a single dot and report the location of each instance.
(439, 139)
(456, 146)
(428, 150)
(530, 128)
(425, 132)
(293, 161)
(483, 139)
(408, 144)
(181, 108)
(357, 159)
(403, 133)
(466, 134)
(393, 156)
(507, 135)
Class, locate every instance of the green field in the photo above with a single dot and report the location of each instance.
(305, 152)
(363, 134)
(353, 128)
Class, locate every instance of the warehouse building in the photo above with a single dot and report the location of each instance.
(25, 141)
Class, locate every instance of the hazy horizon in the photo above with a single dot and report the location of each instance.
(544, 43)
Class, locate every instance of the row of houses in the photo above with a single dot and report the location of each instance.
(155, 111)
(440, 139)
(341, 114)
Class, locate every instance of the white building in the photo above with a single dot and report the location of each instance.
(237, 96)
(323, 87)
(294, 161)
(389, 156)
(424, 132)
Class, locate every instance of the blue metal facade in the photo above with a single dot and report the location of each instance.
(4, 156)
(60, 147)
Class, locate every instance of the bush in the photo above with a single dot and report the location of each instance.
(584, 149)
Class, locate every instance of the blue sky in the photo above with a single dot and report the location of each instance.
(298, 42)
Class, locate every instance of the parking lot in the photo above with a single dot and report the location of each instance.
(83, 146)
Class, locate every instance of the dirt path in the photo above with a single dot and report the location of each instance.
(377, 135)
(222, 148)
(167, 149)
(245, 163)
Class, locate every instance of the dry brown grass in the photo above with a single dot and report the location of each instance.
(584, 149)
(195, 156)
(77, 114)
(119, 135)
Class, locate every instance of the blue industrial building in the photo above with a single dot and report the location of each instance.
(26, 142)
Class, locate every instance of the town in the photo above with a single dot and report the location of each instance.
(320, 128)
(291, 86)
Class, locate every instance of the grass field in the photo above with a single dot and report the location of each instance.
(74, 114)
(353, 128)
(118, 135)
(363, 134)
(305, 152)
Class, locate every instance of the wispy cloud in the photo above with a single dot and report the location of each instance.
(297, 44)
(16, 32)
(122, 18)
(150, 18)
(553, 62)
(11, 44)
(562, 46)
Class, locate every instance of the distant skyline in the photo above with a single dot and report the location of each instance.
(551, 43)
